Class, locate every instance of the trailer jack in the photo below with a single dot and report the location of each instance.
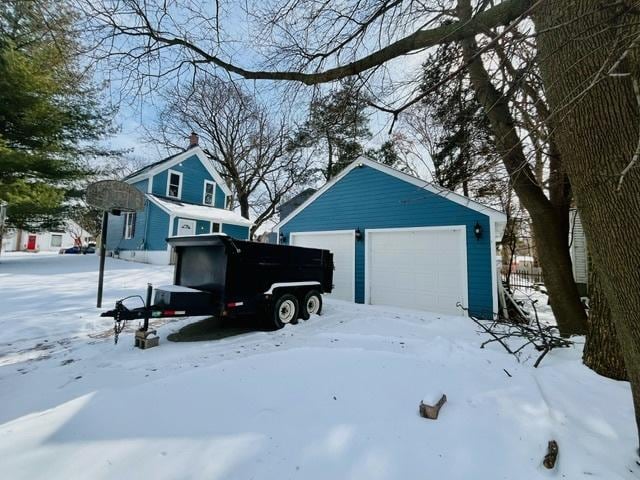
(144, 338)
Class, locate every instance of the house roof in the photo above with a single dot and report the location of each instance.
(147, 168)
(306, 193)
(495, 215)
(170, 161)
(198, 212)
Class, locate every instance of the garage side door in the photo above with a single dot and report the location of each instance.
(342, 246)
(421, 269)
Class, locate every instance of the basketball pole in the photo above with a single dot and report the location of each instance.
(103, 252)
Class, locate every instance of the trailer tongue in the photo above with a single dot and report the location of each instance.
(216, 275)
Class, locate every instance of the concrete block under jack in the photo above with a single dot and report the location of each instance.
(144, 341)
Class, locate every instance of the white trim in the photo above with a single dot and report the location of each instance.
(128, 232)
(211, 223)
(332, 232)
(169, 173)
(187, 221)
(494, 271)
(493, 214)
(172, 219)
(197, 151)
(243, 223)
(463, 253)
(288, 284)
(213, 194)
(56, 235)
(154, 257)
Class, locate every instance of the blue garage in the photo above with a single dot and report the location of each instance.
(400, 241)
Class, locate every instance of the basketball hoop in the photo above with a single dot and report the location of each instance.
(111, 196)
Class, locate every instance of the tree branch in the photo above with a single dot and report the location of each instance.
(501, 14)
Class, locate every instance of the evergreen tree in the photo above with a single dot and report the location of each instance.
(464, 148)
(337, 125)
(50, 113)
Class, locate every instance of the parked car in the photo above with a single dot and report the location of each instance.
(71, 250)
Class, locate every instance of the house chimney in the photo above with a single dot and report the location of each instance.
(193, 140)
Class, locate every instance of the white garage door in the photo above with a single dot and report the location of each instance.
(425, 269)
(342, 245)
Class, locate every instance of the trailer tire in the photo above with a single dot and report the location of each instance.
(311, 304)
(285, 310)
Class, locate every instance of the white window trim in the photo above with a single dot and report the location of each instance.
(128, 231)
(197, 151)
(213, 194)
(182, 221)
(51, 240)
(169, 173)
(219, 227)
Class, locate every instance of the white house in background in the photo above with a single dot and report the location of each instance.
(46, 241)
(579, 252)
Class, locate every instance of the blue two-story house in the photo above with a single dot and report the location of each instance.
(184, 195)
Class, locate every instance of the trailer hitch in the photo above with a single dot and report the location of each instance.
(144, 338)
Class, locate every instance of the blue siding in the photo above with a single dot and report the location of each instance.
(115, 232)
(235, 231)
(158, 228)
(368, 198)
(220, 198)
(159, 186)
(142, 185)
(202, 227)
(193, 176)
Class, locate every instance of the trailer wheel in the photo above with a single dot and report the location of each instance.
(285, 310)
(312, 304)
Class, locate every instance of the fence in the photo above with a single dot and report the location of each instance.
(521, 278)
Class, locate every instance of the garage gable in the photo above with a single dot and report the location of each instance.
(369, 196)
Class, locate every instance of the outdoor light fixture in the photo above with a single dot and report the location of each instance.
(477, 231)
(283, 239)
(358, 234)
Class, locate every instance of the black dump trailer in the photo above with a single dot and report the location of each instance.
(219, 276)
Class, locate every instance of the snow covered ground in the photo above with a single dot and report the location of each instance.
(335, 397)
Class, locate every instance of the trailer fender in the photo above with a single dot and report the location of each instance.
(289, 285)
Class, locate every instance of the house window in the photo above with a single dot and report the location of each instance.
(215, 228)
(209, 193)
(186, 227)
(174, 184)
(56, 240)
(129, 225)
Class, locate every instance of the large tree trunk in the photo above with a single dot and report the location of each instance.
(602, 352)
(329, 171)
(559, 187)
(243, 201)
(548, 227)
(598, 122)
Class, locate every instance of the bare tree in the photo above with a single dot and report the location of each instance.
(250, 147)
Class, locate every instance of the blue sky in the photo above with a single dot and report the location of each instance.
(138, 113)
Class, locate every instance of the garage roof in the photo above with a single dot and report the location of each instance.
(495, 215)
